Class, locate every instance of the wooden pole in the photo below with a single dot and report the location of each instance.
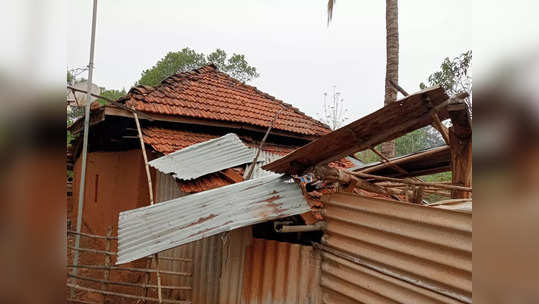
(83, 278)
(405, 159)
(150, 190)
(99, 267)
(250, 173)
(461, 147)
(386, 160)
(123, 295)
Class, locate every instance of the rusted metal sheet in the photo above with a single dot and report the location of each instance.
(280, 273)
(206, 157)
(394, 120)
(151, 229)
(235, 245)
(420, 254)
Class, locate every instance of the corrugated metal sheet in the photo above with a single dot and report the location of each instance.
(205, 255)
(151, 229)
(279, 273)
(233, 261)
(263, 159)
(206, 157)
(166, 189)
(422, 246)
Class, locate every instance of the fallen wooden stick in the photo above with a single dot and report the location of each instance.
(98, 267)
(126, 283)
(409, 182)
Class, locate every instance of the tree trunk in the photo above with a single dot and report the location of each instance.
(392, 64)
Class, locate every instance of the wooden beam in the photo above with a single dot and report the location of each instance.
(387, 161)
(390, 122)
(114, 111)
(437, 124)
(435, 152)
(461, 148)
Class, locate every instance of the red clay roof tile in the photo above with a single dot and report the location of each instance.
(210, 94)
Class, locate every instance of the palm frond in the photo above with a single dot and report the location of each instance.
(331, 4)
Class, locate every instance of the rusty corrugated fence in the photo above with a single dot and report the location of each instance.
(279, 273)
(398, 252)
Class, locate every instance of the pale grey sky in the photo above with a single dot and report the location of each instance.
(297, 55)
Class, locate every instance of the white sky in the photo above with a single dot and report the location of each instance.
(297, 55)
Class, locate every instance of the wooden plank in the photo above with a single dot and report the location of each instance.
(390, 122)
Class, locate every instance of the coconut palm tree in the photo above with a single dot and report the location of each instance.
(392, 59)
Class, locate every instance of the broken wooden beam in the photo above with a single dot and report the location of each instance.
(390, 122)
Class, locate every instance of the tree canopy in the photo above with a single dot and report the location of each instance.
(454, 76)
(188, 59)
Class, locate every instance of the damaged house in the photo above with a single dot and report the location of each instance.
(186, 109)
(300, 221)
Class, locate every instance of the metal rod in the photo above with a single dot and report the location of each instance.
(300, 228)
(114, 102)
(85, 143)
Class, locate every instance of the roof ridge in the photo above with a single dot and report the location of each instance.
(208, 87)
(271, 97)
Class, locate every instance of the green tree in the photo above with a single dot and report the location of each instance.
(111, 94)
(188, 59)
(455, 76)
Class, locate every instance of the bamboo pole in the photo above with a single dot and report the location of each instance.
(91, 235)
(106, 274)
(114, 253)
(105, 252)
(99, 267)
(147, 276)
(404, 181)
(126, 283)
(250, 173)
(150, 190)
(117, 294)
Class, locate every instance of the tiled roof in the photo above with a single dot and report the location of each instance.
(209, 94)
(210, 181)
(169, 140)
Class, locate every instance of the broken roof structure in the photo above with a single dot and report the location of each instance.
(394, 120)
(380, 243)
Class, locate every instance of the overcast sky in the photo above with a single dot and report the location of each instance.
(297, 55)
